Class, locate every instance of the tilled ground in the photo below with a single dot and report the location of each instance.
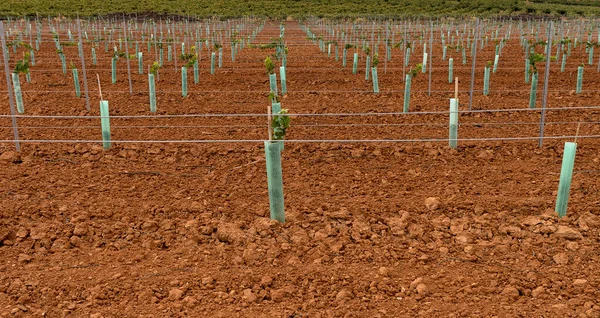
(372, 229)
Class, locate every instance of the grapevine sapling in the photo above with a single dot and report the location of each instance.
(280, 123)
(416, 70)
(269, 65)
(154, 68)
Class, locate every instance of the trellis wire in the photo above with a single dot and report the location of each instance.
(532, 138)
(302, 115)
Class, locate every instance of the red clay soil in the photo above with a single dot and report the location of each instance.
(386, 229)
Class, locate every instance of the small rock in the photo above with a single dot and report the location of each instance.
(416, 282)
(24, 258)
(175, 294)
(75, 241)
(10, 156)
(22, 233)
(422, 289)
(539, 291)
(207, 280)
(398, 224)
(580, 282)
(572, 246)
(277, 294)
(96, 315)
(320, 235)
(479, 209)
(266, 281)
(511, 292)
(432, 203)
(511, 230)
(463, 238)
(568, 233)
(561, 258)
(248, 296)
(416, 230)
(384, 271)
(80, 229)
(342, 294)
(189, 301)
(229, 233)
(5, 234)
(149, 226)
(531, 221)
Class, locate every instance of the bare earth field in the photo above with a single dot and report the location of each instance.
(373, 229)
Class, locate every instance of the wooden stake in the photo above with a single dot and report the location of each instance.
(577, 132)
(269, 122)
(456, 88)
(99, 86)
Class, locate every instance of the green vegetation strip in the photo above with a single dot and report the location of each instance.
(299, 9)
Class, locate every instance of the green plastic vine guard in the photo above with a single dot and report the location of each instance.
(389, 52)
(579, 79)
(76, 81)
(169, 53)
(275, 180)
(94, 56)
(407, 57)
(424, 68)
(443, 53)
(275, 107)
(486, 81)
(196, 72)
(152, 89)
(212, 63)
(533, 92)
(18, 93)
(273, 83)
(453, 134)
(105, 124)
(344, 53)
(337, 55)
(407, 93)
(496, 63)
(283, 80)
(160, 56)
(184, 82)
(591, 56)
(563, 63)
(450, 70)
(328, 50)
(367, 67)
(220, 57)
(566, 175)
(63, 61)
(114, 70)
(355, 63)
(140, 63)
(375, 80)
(32, 56)
(284, 60)
(182, 48)
(464, 56)
(527, 64)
